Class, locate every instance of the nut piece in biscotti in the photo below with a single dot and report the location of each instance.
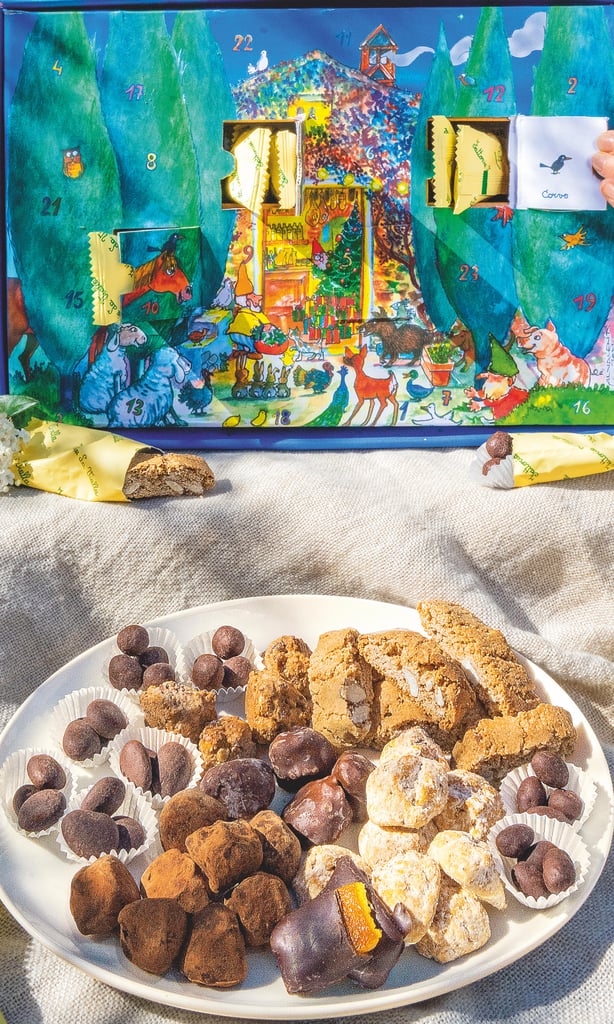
(97, 894)
(471, 864)
(460, 925)
(281, 849)
(152, 933)
(501, 682)
(419, 665)
(288, 657)
(272, 705)
(414, 880)
(473, 805)
(317, 868)
(341, 686)
(215, 953)
(159, 476)
(186, 812)
(407, 792)
(174, 875)
(224, 739)
(378, 844)
(497, 745)
(259, 902)
(178, 708)
(226, 852)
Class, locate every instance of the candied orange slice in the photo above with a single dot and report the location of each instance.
(358, 918)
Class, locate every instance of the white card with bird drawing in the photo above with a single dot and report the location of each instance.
(550, 163)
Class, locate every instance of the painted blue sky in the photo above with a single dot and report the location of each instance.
(243, 33)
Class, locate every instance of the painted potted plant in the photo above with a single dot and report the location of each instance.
(437, 362)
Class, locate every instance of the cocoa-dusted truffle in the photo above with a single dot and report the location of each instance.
(281, 850)
(186, 812)
(152, 933)
(208, 672)
(300, 755)
(125, 672)
(215, 952)
(259, 902)
(97, 894)
(133, 640)
(227, 642)
(226, 852)
(319, 812)
(174, 875)
(244, 785)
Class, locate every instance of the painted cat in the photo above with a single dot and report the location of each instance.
(555, 363)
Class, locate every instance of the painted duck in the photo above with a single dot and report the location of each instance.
(416, 392)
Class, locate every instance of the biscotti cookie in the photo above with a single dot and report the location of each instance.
(273, 705)
(340, 683)
(419, 665)
(160, 476)
(288, 657)
(501, 682)
(178, 708)
(395, 710)
(497, 745)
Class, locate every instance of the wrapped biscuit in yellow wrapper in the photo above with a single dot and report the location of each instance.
(77, 462)
(482, 171)
(517, 460)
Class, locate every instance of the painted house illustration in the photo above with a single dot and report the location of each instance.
(374, 61)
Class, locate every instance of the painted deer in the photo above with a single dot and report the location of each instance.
(555, 363)
(371, 389)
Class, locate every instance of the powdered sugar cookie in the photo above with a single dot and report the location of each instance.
(407, 792)
(471, 864)
(414, 880)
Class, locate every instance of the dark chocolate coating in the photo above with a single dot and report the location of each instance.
(80, 741)
(125, 672)
(237, 671)
(499, 444)
(105, 796)
(351, 771)
(245, 786)
(319, 812)
(227, 642)
(153, 656)
(208, 672)
(133, 640)
(90, 833)
(300, 755)
(44, 772)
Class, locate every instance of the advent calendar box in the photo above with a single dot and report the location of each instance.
(308, 227)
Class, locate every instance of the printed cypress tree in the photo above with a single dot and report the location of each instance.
(148, 123)
(474, 248)
(209, 103)
(342, 273)
(56, 197)
(572, 286)
(439, 97)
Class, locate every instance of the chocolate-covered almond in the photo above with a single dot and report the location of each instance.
(558, 870)
(227, 642)
(550, 769)
(566, 801)
(21, 795)
(245, 786)
(300, 755)
(41, 810)
(80, 742)
(530, 793)
(175, 768)
(105, 796)
(529, 878)
(105, 718)
(131, 832)
(45, 772)
(515, 840)
(133, 640)
(89, 833)
(208, 672)
(152, 656)
(319, 812)
(135, 764)
(351, 770)
(125, 672)
(158, 673)
(237, 671)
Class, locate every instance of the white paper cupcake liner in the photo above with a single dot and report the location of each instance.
(13, 774)
(158, 637)
(201, 644)
(554, 831)
(75, 704)
(579, 782)
(134, 805)
(154, 739)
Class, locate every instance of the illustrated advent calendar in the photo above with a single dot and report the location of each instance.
(310, 227)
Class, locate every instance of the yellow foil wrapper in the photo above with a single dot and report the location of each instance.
(444, 145)
(540, 458)
(481, 168)
(77, 462)
(110, 278)
(283, 168)
(248, 184)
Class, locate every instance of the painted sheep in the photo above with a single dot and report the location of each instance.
(104, 369)
(149, 401)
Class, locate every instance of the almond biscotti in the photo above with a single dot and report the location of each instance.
(501, 682)
(340, 683)
(497, 745)
(419, 667)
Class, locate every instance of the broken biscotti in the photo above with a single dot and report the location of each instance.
(501, 682)
(497, 745)
(166, 475)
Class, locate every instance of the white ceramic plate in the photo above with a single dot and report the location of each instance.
(35, 879)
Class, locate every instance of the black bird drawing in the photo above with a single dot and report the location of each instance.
(558, 164)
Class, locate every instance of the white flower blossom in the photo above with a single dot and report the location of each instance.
(10, 443)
